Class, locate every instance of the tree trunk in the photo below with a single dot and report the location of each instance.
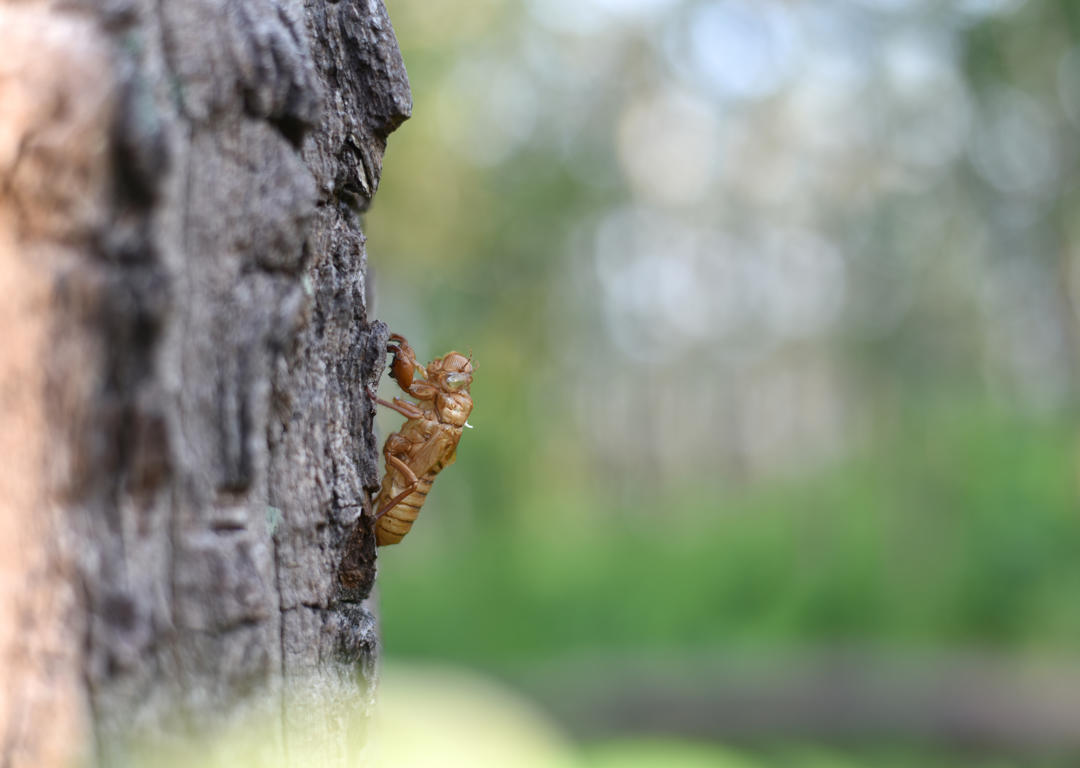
(187, 449)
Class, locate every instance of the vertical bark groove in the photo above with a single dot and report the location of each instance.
(183, 184)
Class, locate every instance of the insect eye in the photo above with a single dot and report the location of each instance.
(456, 380)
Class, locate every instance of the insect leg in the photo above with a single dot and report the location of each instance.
(403, 468)
(404, 407)
(391, 503)
(410, 478)
(404, 366)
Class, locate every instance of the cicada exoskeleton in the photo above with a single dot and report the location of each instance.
(427, 441)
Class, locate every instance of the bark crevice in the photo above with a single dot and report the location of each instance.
(206, 351)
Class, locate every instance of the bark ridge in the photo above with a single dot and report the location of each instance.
(180, 185)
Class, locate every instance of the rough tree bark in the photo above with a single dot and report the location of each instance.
(187, 451)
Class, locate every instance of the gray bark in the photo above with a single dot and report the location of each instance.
(188, 448)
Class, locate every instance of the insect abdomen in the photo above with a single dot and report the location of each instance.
(398, 520)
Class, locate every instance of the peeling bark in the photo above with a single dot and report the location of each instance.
(188, 450)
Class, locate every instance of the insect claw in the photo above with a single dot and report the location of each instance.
(470, 426)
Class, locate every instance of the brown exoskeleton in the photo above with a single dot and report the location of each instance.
(427, 442)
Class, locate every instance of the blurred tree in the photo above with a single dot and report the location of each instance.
(185, 443)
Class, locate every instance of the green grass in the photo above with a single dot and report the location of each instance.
(959, 530)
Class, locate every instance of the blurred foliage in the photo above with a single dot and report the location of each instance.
(773, 306)
(659, 753)
(958, 532)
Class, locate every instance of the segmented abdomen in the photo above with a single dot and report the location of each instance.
(396, 522)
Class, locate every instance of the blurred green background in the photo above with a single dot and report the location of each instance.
(773, 308)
